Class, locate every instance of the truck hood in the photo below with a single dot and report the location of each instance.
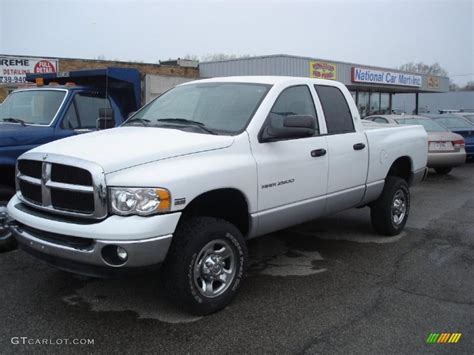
(124, 147)
(12, 134)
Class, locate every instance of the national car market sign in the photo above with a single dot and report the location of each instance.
(13, 70)
(322, 70)
(364, 75)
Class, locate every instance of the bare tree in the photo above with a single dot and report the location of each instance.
(422, 68)
(191, 57)
(222, 56)
(453, 86)
(469, 86)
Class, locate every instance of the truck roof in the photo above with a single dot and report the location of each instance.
(264, 79)
(124, 82)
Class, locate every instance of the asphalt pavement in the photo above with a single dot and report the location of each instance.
(331, 286)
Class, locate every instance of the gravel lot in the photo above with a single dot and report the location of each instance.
(330, 286)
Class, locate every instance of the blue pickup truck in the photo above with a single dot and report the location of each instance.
(61, 105)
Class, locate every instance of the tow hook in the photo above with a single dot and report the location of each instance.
(7, 239)
(5, 220)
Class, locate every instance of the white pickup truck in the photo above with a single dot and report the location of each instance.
(203, 168)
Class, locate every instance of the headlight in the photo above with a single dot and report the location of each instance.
(141, 201)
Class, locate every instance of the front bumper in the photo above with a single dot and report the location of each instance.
(84, 248)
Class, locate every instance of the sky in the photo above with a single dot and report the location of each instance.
(380, 33)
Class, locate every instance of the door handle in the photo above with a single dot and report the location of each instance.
(318, 153)
(359, 146)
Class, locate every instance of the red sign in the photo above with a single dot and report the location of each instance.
(44, 66)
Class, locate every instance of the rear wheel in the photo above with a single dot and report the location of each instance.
(7, 240)
(443, 171)
(389, 213)
(205, 265)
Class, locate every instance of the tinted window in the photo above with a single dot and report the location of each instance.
(453, 122)
(295, 100)
(87, 107)
(429, 125)
(380, 120)
(336, 111)
(70, 120)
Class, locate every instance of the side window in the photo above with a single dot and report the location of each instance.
(70, 120)
(88, 108)
(380, 120)
(336, 110)
(295, 100)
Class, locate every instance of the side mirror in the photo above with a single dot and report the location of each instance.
(295, 126)
(106, 118)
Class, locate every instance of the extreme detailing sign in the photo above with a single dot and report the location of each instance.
(364, 75)
(13, 69)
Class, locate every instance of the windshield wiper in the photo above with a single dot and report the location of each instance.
(14, 120)
(185, 121)
(143, 121)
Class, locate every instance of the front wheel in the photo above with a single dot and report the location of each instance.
(389, 213)
(205, 265)
(7, 240)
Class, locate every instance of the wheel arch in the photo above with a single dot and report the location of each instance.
(229, 204)
(402, 167)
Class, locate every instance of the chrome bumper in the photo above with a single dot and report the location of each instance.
(141, 253)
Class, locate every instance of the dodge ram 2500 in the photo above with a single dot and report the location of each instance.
(209, 164)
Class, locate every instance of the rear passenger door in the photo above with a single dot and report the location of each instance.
(347, 151)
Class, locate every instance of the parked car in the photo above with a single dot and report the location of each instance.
(445, 148)
(458, 125)
(205, 167)
(467, 116)
(85, 101)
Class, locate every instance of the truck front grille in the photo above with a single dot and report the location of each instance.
(72, 201)
(70, 175)
(31, 192)
(30, 168)
(62, 185)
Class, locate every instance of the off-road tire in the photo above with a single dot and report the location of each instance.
(178, 269)
(381, 210)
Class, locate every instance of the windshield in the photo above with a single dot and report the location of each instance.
(454, 122)
(430, 125)
(219, 108)
(31, 106)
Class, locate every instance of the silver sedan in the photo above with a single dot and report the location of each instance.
(445, 148)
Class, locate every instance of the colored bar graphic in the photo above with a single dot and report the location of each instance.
(443, 338)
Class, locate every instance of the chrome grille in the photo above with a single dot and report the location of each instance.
(62, 185)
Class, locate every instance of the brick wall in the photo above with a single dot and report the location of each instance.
(68, 64)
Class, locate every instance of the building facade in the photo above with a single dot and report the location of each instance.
(372, 87)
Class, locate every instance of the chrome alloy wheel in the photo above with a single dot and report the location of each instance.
(215, 268)
(399, 208)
